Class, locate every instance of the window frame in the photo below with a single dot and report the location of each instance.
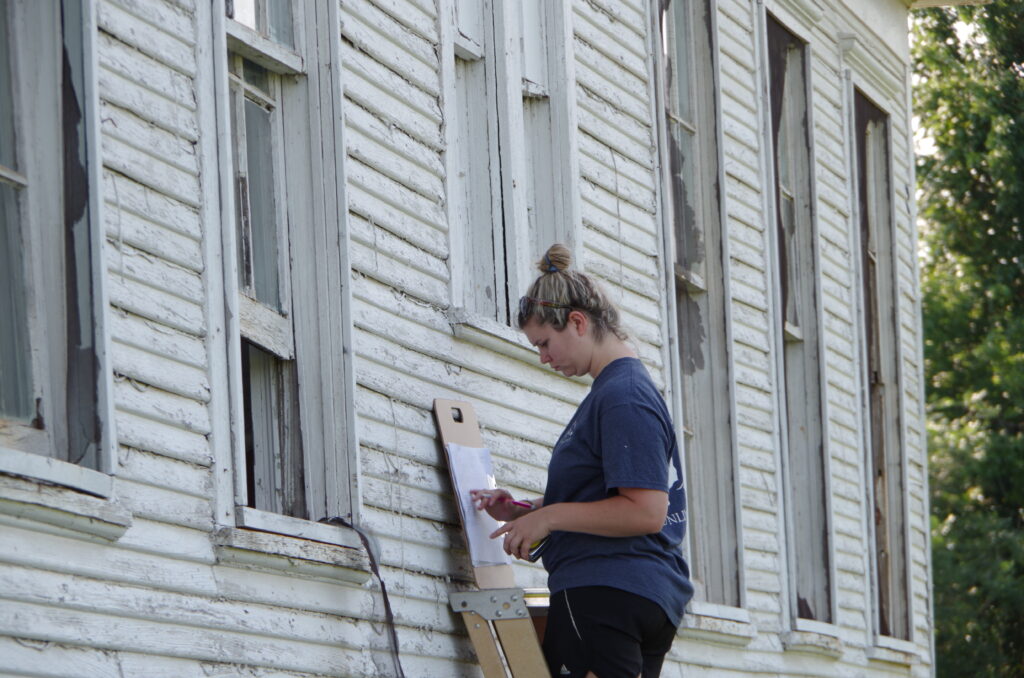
(47, 461)
(895, 583)
(708, 290)
(321, 347)
(804, 445)
(472, 32)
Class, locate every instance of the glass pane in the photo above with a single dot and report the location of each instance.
(279, 16)
(256, 75)
(273, 441)
(7, 157)
(682, 64)
(269, 18)
(245, 13)
(241, 193)
(262, 203)
(15, 360)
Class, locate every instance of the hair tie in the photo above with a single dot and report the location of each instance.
(551, 267)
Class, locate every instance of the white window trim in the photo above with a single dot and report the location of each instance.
(277, 523)
(856, 76)
(509, 83)
(813, 637)
(293, 555)
(273, 56)
(55, 471)
(895, 651)
(777, 336)
(489, 333)
(670, 321)
(60, 510)
(224, 308)
(719, 624)
(45, 468)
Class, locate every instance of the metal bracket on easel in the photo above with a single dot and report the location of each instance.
(491, 604)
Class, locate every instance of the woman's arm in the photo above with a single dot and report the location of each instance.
(632, 512)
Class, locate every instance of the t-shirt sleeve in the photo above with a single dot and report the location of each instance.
(634, 448)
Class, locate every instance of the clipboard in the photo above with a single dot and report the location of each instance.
(504, 637)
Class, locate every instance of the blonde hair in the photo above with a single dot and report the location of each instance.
(558, 291)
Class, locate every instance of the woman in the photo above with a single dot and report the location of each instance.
(613, 520)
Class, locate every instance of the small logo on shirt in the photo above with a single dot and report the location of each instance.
(564, 671)
(677, 517)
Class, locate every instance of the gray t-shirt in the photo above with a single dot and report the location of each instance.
(621, 436)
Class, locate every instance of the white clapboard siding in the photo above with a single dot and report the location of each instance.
(839, 347)
(392, 45)
(151, 30)
(384, 92)
(160, 601)
(398, 239)
(617, 165)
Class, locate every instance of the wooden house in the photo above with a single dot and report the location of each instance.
(246, 244)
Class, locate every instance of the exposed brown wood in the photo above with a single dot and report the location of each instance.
(521, 646)
(485, 644)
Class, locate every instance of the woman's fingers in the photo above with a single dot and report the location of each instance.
(511, 543)
(514, 544)
(484, 499)
(501, 530)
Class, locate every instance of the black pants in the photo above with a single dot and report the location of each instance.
(613, 633)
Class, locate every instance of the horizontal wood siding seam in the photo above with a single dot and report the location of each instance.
(373, 34)
(149, 38)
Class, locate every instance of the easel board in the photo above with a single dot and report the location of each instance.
(515, 639)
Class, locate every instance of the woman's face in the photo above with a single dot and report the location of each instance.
(568, 350)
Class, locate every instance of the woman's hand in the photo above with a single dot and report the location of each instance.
(522, 533)
(499, 504)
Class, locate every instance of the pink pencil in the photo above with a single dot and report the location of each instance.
(524, 504)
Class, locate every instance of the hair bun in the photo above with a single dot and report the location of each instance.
(557, 259)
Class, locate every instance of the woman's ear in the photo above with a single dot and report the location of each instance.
(579, 322)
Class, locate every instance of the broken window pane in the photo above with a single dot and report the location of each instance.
(262, 204)
(273, 439)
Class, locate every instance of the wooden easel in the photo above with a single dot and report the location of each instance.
(496, 616)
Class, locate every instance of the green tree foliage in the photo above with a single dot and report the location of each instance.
(969, 99)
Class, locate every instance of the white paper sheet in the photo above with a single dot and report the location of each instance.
(471, 470)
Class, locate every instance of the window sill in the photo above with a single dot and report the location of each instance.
(489, 333)
(55, 472)
(894, 651)
(265, 52)
(59, 498)
(717, 624)
(811, 637)
(280, 544)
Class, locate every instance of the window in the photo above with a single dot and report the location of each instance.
(880, 301)
(688, 73)
(796, 248)
(52, 391)
(289, 268)
(510, 182)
